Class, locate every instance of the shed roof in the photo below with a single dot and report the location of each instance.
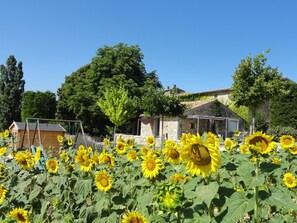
(42, 126)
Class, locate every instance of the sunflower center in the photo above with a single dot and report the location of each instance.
(150, 164)
(287, 141)
(200, 155)
(259, 142)
(104, 182)
(173, 153)
(289, 180)
(135, 220)
(23, 161)
(52, 165)
(20, 217)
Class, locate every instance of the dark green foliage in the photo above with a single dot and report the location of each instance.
(193, 97)
(278, 131)
(283, 107)
(11, 90)
(38, 105)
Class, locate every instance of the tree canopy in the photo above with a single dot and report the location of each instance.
(11, 90)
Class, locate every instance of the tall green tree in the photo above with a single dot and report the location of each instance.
(11, 90)
(38, 105)
(254, 83)
(118, 106)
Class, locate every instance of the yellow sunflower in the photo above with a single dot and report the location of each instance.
(185, 139)
(121, 148)
(133, 217)
(293, 150)
(144, 150)
(2, 150)
(178, 178)
(52, 165)
(151, 141)
(37, 154)
(229, 144)
(81, 147)
(286, 141)
(151, 167)
(172, 152)
(25, 159)
(20, 215)
(64, 156)
(83, 159)
(212, 139)
(6, 133)
(106, 141)
(103, 181)
(199, 157)
(130, 142)
(236, 133)
(69, 141)
(276, 161)
(261, 143)
(96, 157)
(244, 149)
(132, 155)
(107, 158)
(290, 180)
(2, 193)
(60, 138)
(121, 139)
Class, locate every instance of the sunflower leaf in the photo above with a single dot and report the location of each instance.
(208, 192)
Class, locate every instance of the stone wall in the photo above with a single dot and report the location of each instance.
(170, 128)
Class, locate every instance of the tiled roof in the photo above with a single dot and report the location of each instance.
(42, 126)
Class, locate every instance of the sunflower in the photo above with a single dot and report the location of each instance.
(6, 133)
(185, 139)
(133, 217)
(83, 159)
(69, 141)
(25, 159)
(95, 157)
(290, 180)
(236, 133)
(2, 150)
(52, 165)
(60, 138)
(37, 154)
(151, 167)
(199, 157)
(178, 178)
(107, 158)
(172, 152)
(170, 197)
(2, 193)
(244, 149)
(106, 141)
(103, 181)
(276, 161)
(144, 150)
(261, 143)
(286, 141)
(151, 141)
(121, 148)
(229, 144)
(20, 215)
(64, 156)
(132, 155)
(212, 139)
(130, 143)
(121, 139)
(81, 147)
(293, 150)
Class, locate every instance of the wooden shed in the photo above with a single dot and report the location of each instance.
(36, 134)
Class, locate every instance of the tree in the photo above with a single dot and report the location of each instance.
(11, 90)
(118, 106)
(38, 105)
(254, 83)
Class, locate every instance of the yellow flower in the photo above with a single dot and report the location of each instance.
(244, 149)
(37, 154)
(69, 141)
(96, 157)
(60, 138)
(185, 139)
(254, 159)
(2, 150)
(178, 178)
(261, 143)
(172, 152)
(103, 181)
(121, 148)
(151, 141)
(20, 215)
(293, 150)
(151, 167)
(52, 165)
(83, 159)
(107, 158)
(229, 144)
(290, 180)
(81, 147)
(130, 143)
(25, 159)
(212, 139)
(132, 155)
(64, 157)
(286, 141)
(133, 217)
(6, 133)
(2, 193)
(106, 141)
(276, 161)
(144, 150)
(120, 139)
(90, 150)
(236, 133)
(199, 157)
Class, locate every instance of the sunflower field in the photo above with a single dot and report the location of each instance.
(198, 179)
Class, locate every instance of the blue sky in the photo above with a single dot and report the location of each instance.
(194, 44)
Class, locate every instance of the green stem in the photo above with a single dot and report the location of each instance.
(256, 194)
(210, 208)
(109, 204)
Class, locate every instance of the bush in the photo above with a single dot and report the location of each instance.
(278, 131)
